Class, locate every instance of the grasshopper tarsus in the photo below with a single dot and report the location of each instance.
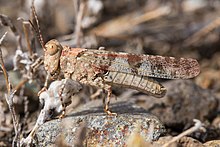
(63, 114)
(42, 90)
(108, 112)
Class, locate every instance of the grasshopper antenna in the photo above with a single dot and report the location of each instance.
(37, 30)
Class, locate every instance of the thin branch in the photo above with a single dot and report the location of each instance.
(20, 84)
(202, 32)
(9, 99)
(3, 37)
(197, 126)
(2, 65)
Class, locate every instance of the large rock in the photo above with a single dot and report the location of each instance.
(93, 127)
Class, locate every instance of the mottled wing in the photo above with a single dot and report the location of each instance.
(143, 65)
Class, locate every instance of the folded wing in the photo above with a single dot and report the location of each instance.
(143, 65)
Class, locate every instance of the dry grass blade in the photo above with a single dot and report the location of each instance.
(2, 64)
(197, 126)
(9, 98)
(203, 32)
(2, 38)
(126, 22)
(53, 104)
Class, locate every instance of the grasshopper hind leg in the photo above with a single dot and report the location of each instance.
(106, 101)
(100, 83)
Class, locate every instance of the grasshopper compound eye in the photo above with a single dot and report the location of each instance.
(51, 48)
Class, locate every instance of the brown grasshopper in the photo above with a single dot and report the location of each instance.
(103, 69)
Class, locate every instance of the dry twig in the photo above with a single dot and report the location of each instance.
(9, 98)
(120, 25)
(196, 37)
(197, 126)
(53, 104)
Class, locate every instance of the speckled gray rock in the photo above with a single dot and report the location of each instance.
(100, 129)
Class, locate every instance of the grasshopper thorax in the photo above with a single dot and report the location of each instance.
(53, 50)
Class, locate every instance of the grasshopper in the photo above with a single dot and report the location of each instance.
(104, 69)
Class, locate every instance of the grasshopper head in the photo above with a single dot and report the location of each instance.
(52, 54)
